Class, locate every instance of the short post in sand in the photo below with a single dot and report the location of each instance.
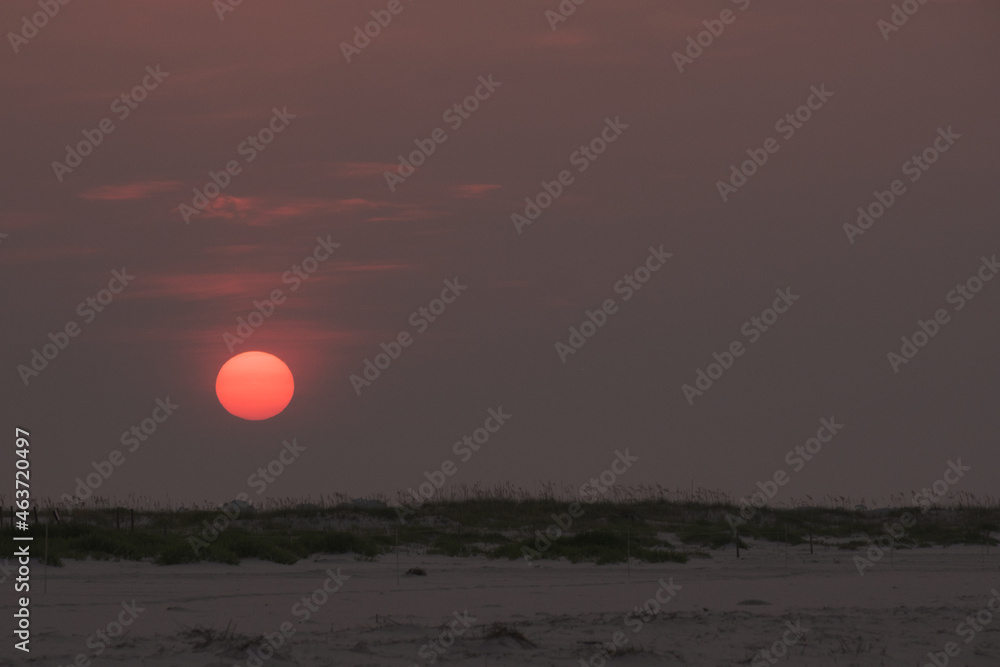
(628, 548)
(45, 572)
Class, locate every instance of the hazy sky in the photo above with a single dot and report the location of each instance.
(669, 137)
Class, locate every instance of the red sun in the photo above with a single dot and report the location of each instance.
(254, 385)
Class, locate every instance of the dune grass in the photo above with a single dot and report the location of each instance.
(646, 524)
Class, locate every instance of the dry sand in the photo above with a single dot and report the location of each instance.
(724, 612)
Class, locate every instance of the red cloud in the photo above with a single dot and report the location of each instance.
(245, 285)
(259, 211)
(228, 207)
(474, 190)
(139, 190)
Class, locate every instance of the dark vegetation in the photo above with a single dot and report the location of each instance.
(497, 524)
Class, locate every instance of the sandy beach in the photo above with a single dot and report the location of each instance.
(809, 610)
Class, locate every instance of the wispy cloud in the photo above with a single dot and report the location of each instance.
(356, 169)
(264, 211)
(474, 190)
(130, 191)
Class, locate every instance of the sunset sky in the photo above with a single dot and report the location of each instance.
(383, 248)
